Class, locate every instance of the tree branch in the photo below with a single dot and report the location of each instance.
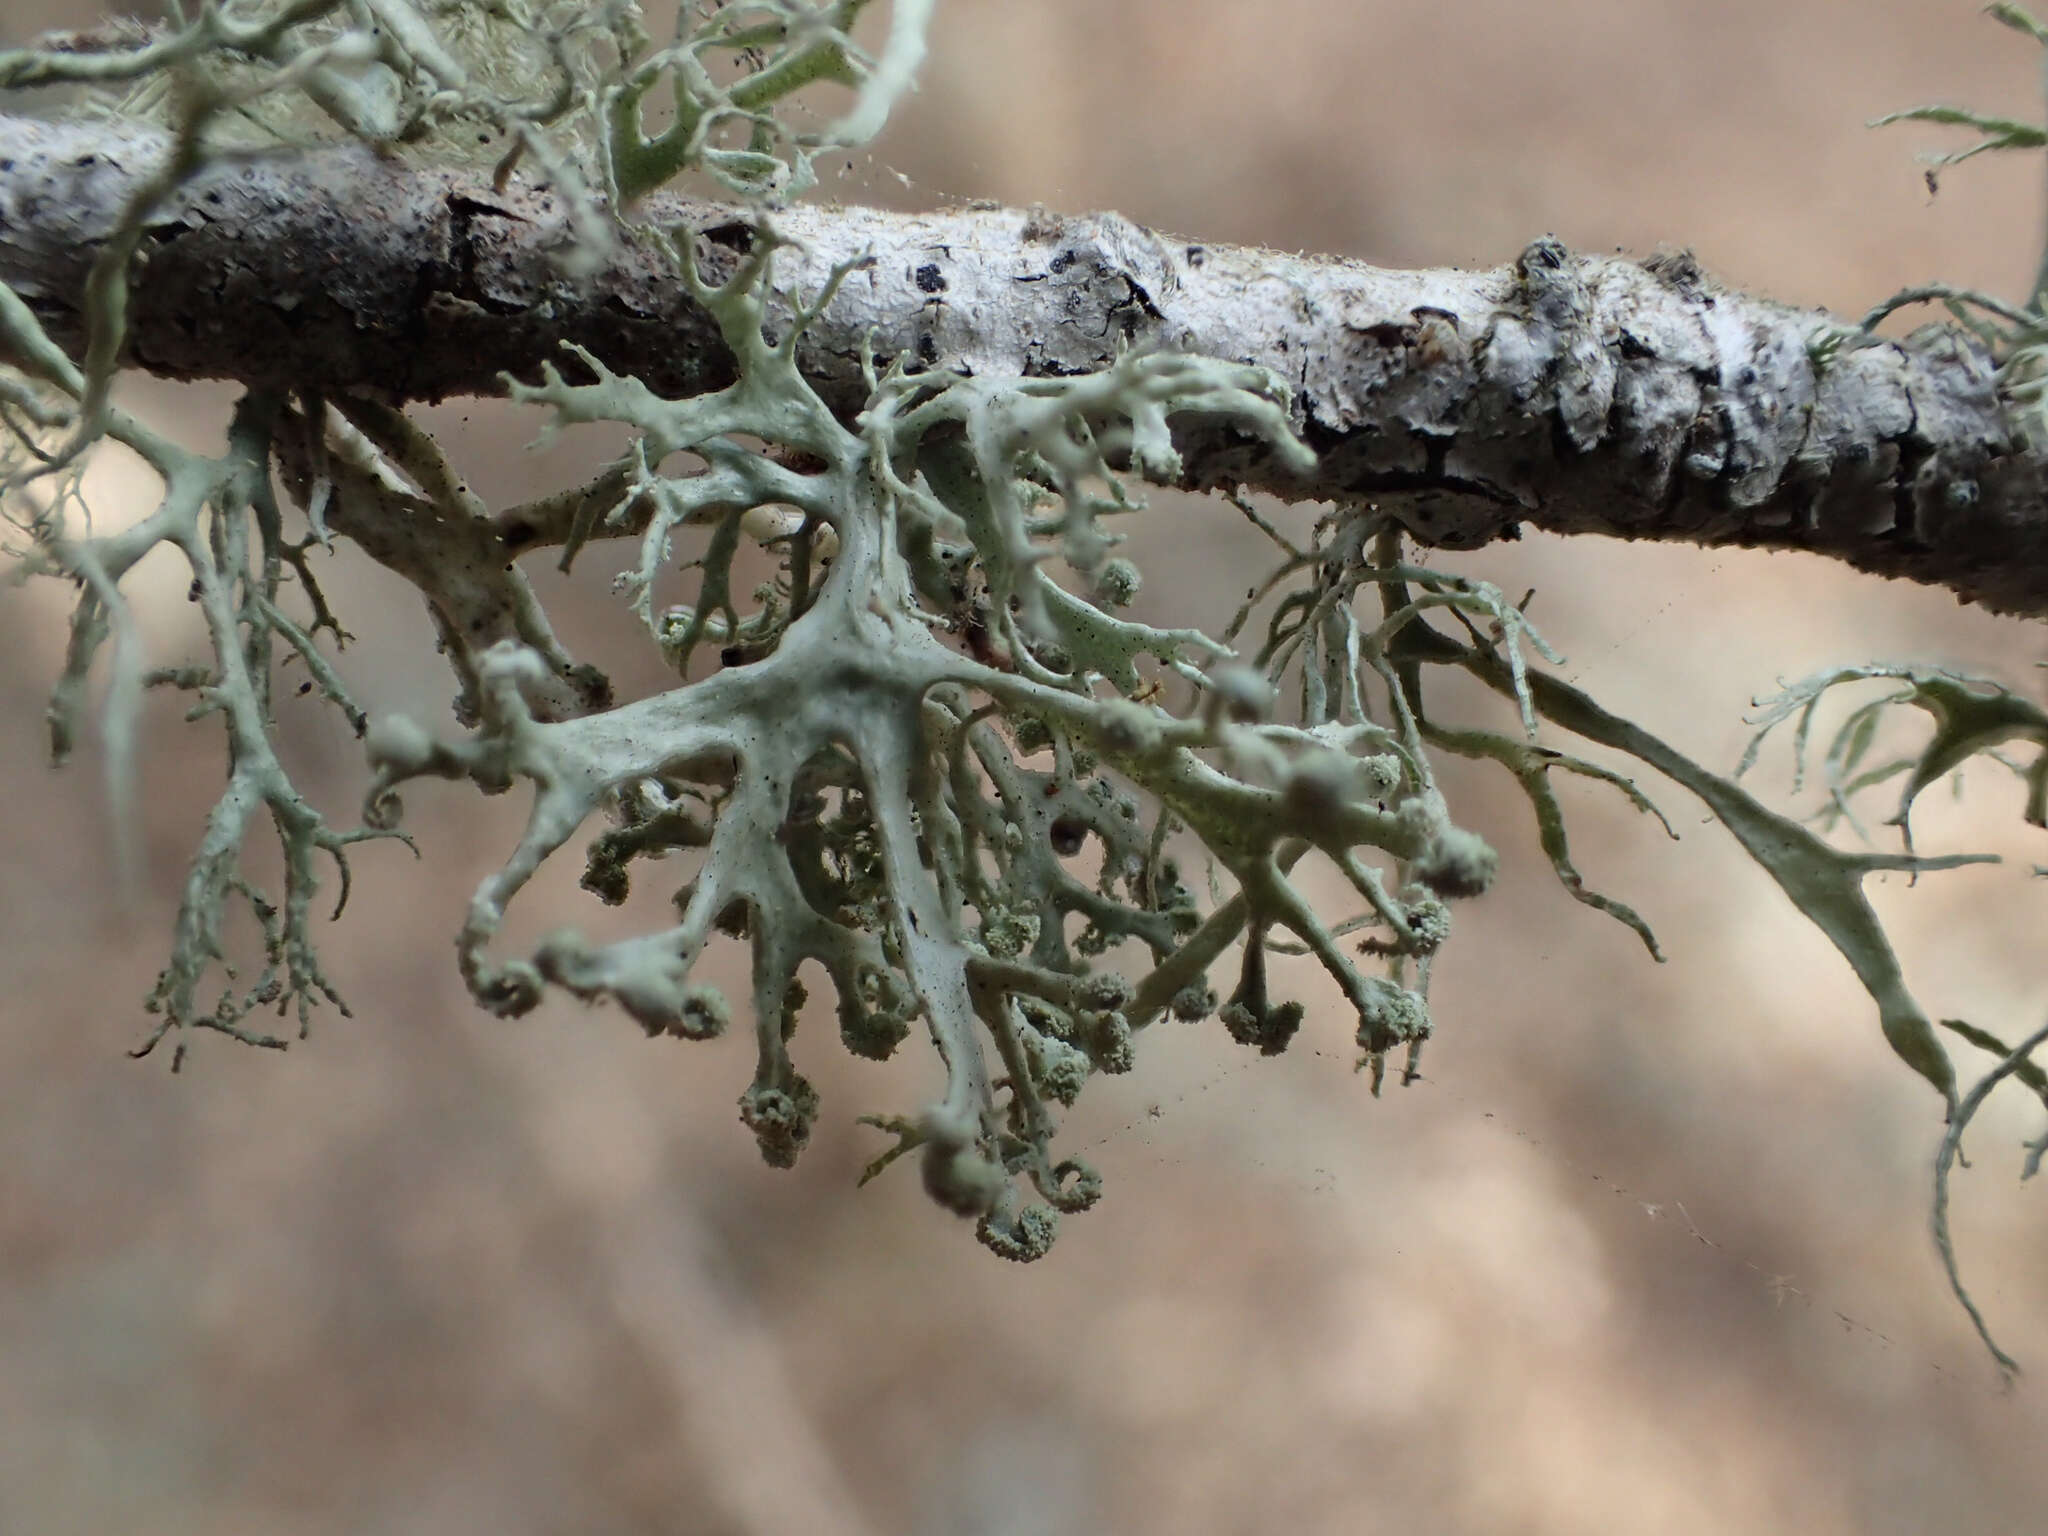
(1576, 394)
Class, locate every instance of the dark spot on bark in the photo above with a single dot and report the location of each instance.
(1197, 255)
(930, 279)
(1061, 262)
(927, 349)
(733, 235)
(1387, 333)
(1545, 255)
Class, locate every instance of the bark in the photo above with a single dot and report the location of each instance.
(1578, 394)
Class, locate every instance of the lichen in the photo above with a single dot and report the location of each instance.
(964, 789)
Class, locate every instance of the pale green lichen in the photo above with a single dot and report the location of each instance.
(956, 785)
(2017, 334)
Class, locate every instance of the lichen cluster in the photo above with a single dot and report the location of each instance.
(928, 751)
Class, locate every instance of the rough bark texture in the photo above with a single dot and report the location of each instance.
(1573, 393)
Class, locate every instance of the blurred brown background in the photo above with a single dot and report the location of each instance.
(1648, 1252)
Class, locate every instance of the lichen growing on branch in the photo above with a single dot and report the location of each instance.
(930, 754)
